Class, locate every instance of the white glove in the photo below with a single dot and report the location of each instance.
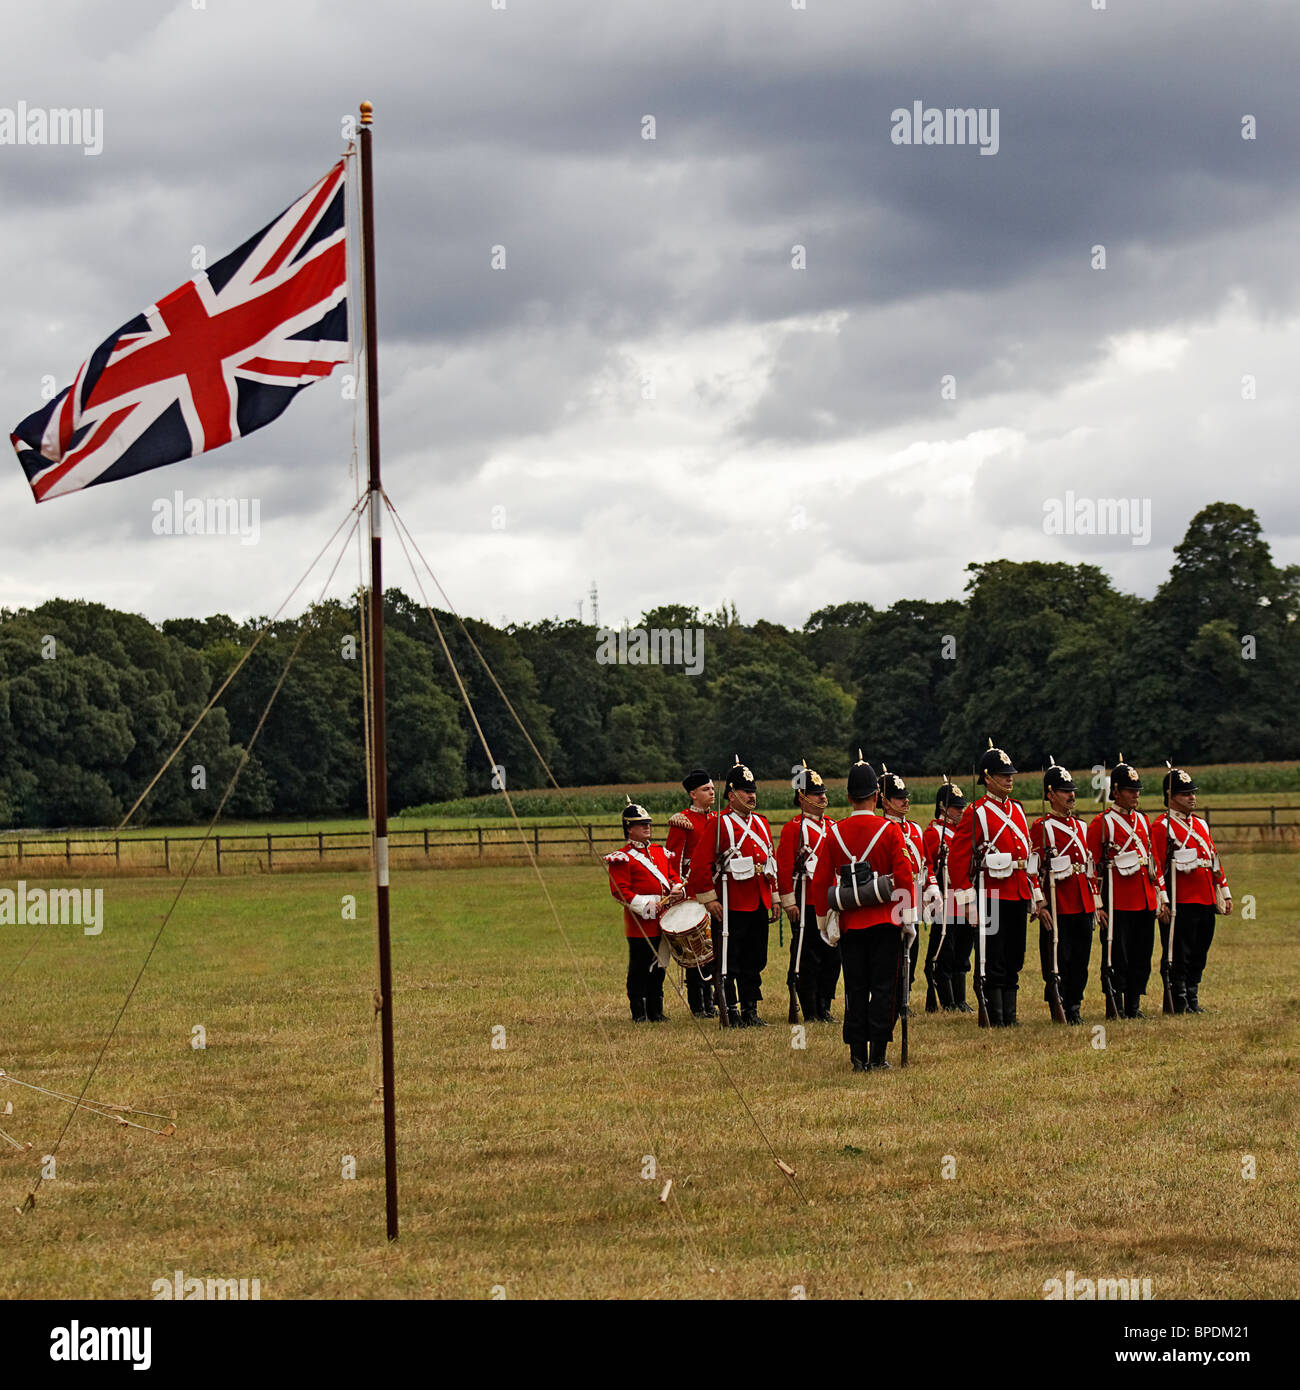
(933, 903)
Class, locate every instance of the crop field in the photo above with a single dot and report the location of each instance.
(538, 1127)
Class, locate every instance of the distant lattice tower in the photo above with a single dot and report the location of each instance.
(595, 605)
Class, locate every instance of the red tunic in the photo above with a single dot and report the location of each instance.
(692, 848)
(915, 841)
(751, 836)
(889, 855)
(801, 836)
(937, 834)
(1197, 884)
(1001, 825)
(638, 887)
(1056, 836)
(1115, 831)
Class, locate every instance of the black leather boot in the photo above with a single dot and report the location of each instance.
(1009, 1007)
(1133, 1006)
(749, 1017)
(1072, 1013)
(994, 998)
(655, 1010)
(959, 994)
(638, 1010)
(733, 1018)
(824, 1014)
(694, 994)
(876, 1061)
(859, 1062)
(943, 988)
(1178, 993)
(1193, 1003)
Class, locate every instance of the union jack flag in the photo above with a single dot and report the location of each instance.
(219, 357)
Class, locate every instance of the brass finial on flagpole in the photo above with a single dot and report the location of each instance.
(367, 113)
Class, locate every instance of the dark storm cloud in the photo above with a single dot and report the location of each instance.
(522, 128)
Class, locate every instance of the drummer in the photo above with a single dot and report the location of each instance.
(642, 878)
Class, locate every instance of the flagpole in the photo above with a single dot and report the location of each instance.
(377, 716)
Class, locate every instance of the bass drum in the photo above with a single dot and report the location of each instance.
(685, 927)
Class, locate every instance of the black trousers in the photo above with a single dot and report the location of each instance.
(1005, 921)
(819, 967)
(746, 953)
(1073, 950)
(1135, 936)
(699, 986)
(871, 957)
(645, 976)
(939, 959)
(962, 937)
(1193, 933)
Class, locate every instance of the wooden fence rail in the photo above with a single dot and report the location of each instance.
(483, 842)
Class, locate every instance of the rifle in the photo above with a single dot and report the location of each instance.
(932, 964)
(1108, 961)
(905, 965)
(798, 954)
(793, 1016)
(1167, 965)
(1054, 1001)
(720, 957)
(981, 997)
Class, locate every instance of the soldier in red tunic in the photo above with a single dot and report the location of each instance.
(895, 801)
(991, 848)
(814, 965)
(858, 846)
(747, 869)
(1132, 885)
(947, 957)
(642, 877)
(691, 835)
(1066, 868)
(1182, 844)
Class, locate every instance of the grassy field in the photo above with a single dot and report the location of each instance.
(522, 1165)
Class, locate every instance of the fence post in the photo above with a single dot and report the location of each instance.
(167, 853)
(117, 850)
(426, 841)
(536, 846)
(1272, 817)
(480, 841)
(20, 860)
(591, 843)
(320, 845)
(67, 850)
(218, 853)
(268, 852)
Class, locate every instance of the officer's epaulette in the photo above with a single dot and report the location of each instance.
(617, 854)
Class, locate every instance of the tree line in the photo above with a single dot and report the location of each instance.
(1045, 657)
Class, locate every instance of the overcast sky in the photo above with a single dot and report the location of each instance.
(650, 395)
